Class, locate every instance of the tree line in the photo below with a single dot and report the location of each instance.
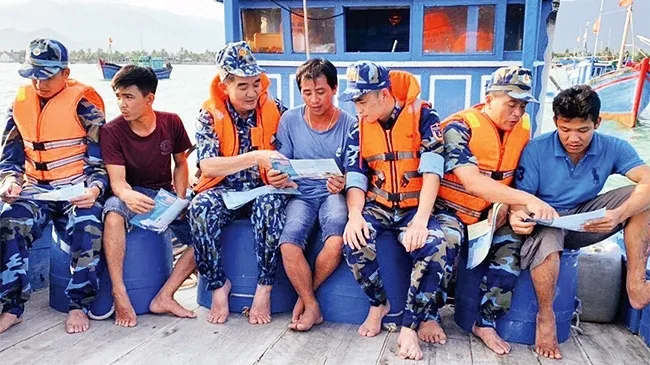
(91, 56)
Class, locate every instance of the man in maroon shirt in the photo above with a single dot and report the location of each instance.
(138, 147)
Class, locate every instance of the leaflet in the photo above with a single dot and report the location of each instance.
(237, 199)
(168, 207)
(58, 195)
(572, 222)
(479, 237)
(307, 169)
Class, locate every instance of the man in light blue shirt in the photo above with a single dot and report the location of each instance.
(567, 169)
(316, 130)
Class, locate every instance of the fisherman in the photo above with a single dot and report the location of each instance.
(51, 141)
(138, 147)
(316, 130)
(482, 148)
(398, 145)
(567, 169)
(235, 139)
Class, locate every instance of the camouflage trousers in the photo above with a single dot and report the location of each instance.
(23, 222)
(429, 264)
(209, 215)
(503, 267)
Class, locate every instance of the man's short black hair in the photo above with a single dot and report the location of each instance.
(580, 101)
(315, 68)
(144, 78)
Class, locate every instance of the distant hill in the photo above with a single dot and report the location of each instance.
(89, 25)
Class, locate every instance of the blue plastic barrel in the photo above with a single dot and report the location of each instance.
(240, 265)
(147, 265)
(518, 325)
(644, 324)
(342, 300)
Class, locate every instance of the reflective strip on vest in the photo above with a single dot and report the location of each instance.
(48, 166)
(393, 156)
(394, 198)
(498, 175)
(60, 182)
(459, 208)
(454, 185)
(44, 146)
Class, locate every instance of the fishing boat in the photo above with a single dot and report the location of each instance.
(162, 70)
(451, 47)
(623, 86)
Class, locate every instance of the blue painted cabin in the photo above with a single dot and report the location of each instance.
(452, 46)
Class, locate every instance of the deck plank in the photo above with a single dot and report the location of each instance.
(196, 341)
(107, 341)
(169, 340)
(38, 317)
(606, 344)
(328, 343)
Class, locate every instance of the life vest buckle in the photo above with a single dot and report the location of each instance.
(394, 197)
(38, 146)
(391, 156)
(41, 166)
(497, 175)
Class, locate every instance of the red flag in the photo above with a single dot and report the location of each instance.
(596, 28)
(625, 3)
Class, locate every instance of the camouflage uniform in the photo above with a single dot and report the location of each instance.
(23, 222)
(208, 213)
(503, 259)
(430, 261)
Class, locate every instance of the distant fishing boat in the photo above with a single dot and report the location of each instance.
(163, 71)
(624, 92)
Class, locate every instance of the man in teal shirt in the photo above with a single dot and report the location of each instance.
(567, 169)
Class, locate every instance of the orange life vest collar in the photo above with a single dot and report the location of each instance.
(262, 135)
(393, 155)
(53, 137)
(497, 157)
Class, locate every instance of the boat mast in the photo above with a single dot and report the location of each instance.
(597, 27)
(306, 22)
(627, 26)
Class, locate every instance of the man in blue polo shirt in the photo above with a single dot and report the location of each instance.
(567, 169)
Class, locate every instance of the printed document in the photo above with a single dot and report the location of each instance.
(307, 169)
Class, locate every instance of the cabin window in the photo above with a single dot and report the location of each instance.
(321, 30)
(262, 30)
(514, 38)
(377, 29)
(458, 29)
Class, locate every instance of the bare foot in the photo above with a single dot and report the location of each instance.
(298, 309)
(431, 332)
(124, 312)
(7, 320)
(260, 312)
(372, 325)
(639, 293)
(310, 317)
(409, 344)
(546, 337)
(219, 309)
(168, 305)
(77, 321)
(491, 339)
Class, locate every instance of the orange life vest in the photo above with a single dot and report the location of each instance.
(394, 155)
(262, 135)
(497, 159)
(54, 139)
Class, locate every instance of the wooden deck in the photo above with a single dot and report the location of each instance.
(41, 339)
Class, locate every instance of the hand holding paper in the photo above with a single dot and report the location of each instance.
(574, 222)
(168, 207)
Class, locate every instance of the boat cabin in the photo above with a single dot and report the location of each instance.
(451, 46)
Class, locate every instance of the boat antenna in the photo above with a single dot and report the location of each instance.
(628, 18)
(305, 18)
(597, 26)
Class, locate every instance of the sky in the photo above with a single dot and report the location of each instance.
(202, 8)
